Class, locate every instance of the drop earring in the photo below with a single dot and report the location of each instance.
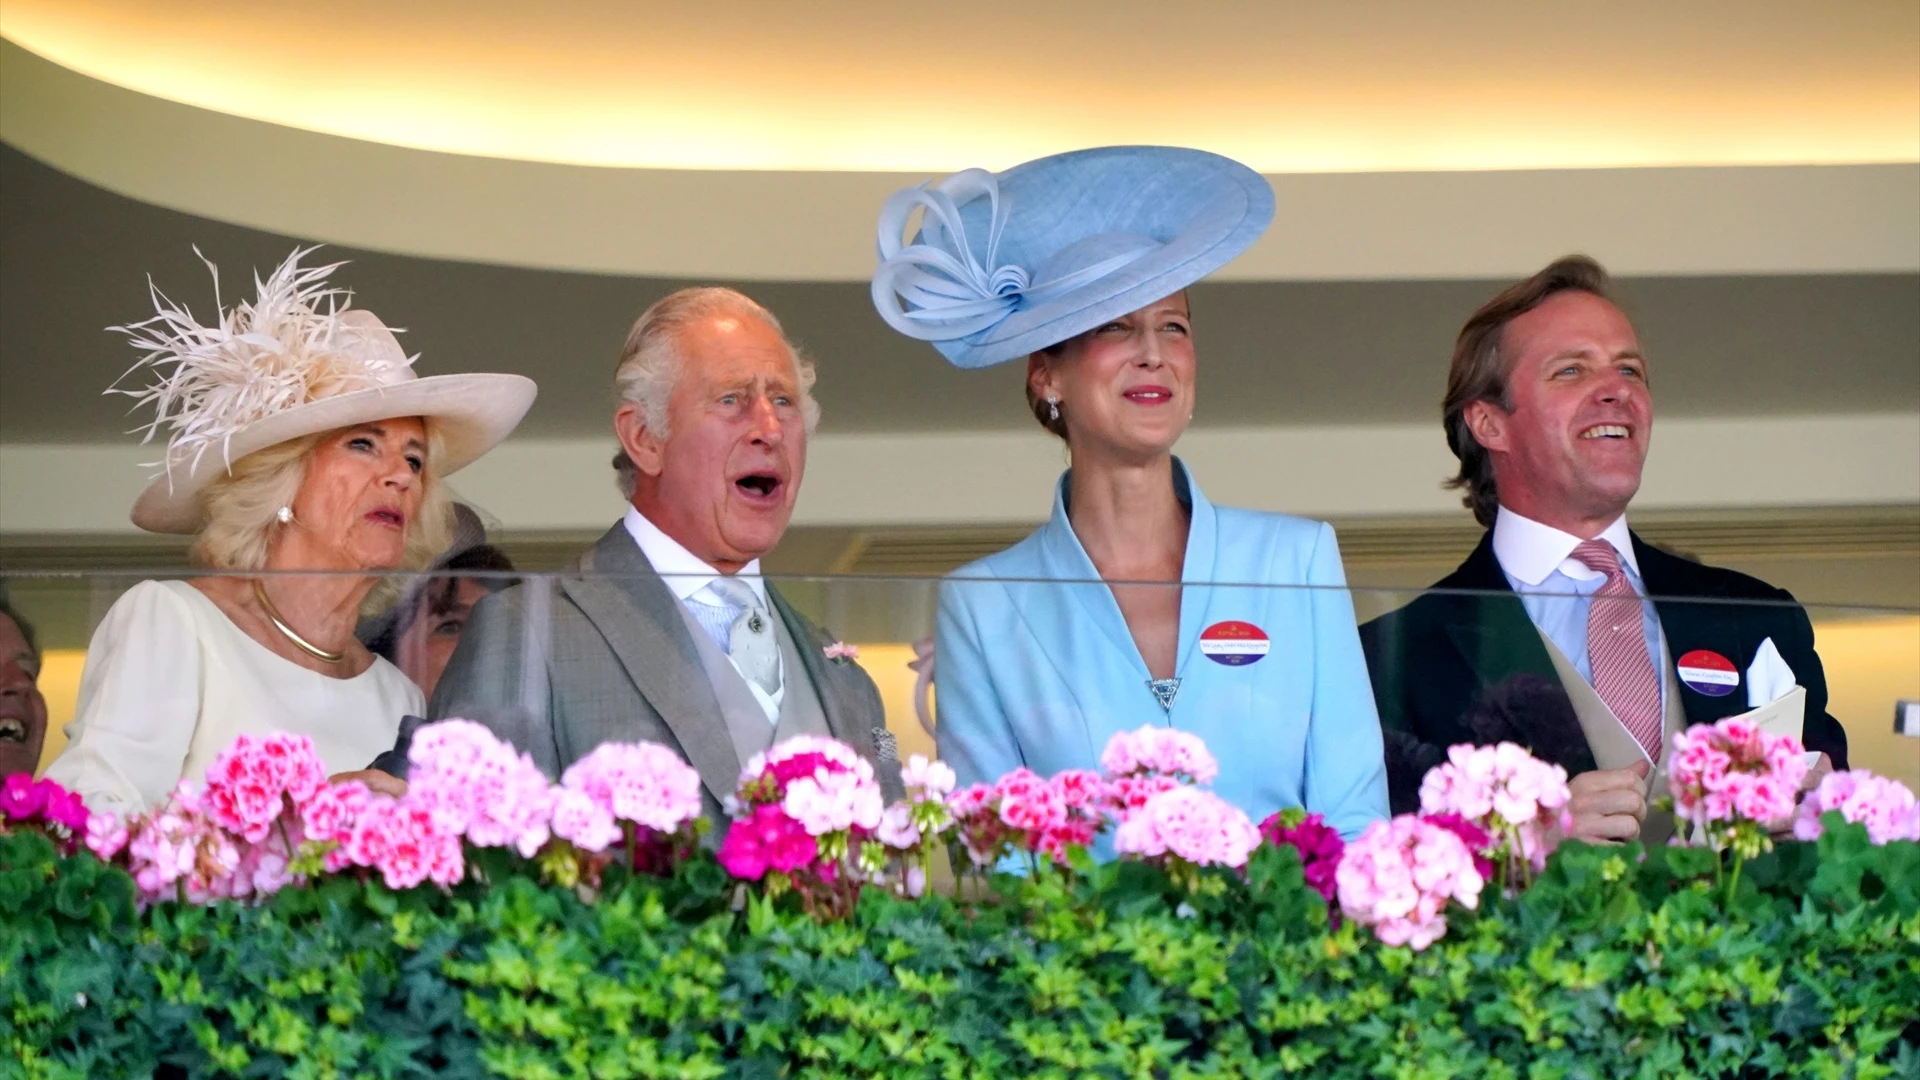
(1053, 408)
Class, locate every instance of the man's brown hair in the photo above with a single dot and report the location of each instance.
(1479, 371)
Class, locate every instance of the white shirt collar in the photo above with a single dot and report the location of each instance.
(683, 571)
(1530, 551)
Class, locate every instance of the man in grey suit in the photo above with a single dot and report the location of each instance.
(669, 634)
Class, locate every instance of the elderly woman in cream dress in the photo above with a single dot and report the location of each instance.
(306, 459)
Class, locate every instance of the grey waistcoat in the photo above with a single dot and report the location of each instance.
(800, 711)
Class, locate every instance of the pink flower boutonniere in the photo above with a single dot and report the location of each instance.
(842, 653)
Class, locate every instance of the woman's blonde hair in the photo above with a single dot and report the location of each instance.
(242, 507)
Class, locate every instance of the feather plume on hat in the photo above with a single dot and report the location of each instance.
(297, 360)
(286, 348)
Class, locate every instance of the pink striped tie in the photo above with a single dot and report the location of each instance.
(1617, 647)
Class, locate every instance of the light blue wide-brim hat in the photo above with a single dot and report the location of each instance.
(1005, 264)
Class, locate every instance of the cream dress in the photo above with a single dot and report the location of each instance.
(170, 681)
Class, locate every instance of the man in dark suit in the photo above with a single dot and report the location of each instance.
(669, 634)
(1545, 636)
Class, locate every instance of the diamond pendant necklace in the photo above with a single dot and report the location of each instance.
(280, 624)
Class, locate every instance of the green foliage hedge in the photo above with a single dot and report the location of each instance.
(1611, 965)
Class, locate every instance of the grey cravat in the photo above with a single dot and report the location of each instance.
(750, 641)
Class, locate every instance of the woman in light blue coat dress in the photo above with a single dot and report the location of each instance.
(1139, 602)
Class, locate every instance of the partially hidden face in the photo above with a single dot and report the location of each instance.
(428, 643)
(1127, 385)
(23, 711)
(1576, 438)
(724, 482)
(360, 493)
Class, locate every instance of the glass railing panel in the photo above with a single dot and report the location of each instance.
(1869, 657)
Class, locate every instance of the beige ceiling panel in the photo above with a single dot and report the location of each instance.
(817, 225)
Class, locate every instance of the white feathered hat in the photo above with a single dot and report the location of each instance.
(296, 361)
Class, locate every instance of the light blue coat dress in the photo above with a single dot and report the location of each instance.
(1035, 670)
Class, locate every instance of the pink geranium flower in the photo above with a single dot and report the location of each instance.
(1513, 798)
(1190, 824)
(1401, 874)
(1731, 771)
(1319, 845)
(766, 840)
(1886, 807)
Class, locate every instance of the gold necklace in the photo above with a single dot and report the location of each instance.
(273, 616)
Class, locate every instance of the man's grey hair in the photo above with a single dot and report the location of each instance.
(650, 361)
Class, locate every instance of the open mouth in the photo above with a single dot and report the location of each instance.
(1148, 395)
(1607, 431)
(759, 487)
(12, 731)
(389, 517)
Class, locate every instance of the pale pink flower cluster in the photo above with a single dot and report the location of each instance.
(267, 807)
(924, 812)
(1399, 876)
(1191, 823)
(1515, 797)
(1160, 750)
(908, 827)
(406, 843)
(642, 783)
(1027, 812)
(1732, 771)
(1886, 807)
(927, 780)
(477, 786)
(329, 818)
(107, 834)
(236, 838)
(249, 784)
(180, 849)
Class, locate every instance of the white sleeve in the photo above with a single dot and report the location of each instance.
(139, 701)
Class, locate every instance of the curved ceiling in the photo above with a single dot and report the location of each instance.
(818, 226)
(866, 85)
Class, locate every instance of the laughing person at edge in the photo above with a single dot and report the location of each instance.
(1097, 249)
(338, 452)
(1549, 408)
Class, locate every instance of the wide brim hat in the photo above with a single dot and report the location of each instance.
(294, 362)
(1005, 264)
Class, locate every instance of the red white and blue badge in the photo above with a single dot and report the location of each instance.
(1234, 643)
(1708, 673)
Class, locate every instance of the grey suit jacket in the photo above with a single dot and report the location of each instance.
(617, 663)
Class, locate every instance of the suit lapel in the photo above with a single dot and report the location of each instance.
(1492, 630)
(845, 717)
(1691, 624)
(641, 621)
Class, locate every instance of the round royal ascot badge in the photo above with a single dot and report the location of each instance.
(1234, 643)
(1707, 672)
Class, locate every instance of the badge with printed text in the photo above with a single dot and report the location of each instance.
(1707, 672)
(1233, 643)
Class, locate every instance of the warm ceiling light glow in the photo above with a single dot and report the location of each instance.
(880, 86)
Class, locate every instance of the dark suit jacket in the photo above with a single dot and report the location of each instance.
(1470, 667)
(611, 659)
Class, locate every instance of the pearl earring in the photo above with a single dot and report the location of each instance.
(1053, 408)
(285, 514)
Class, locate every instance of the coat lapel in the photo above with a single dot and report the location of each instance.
(843, 718)
(640, 618)
(1690, 624)
(1199, 571)
(1491, 628)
